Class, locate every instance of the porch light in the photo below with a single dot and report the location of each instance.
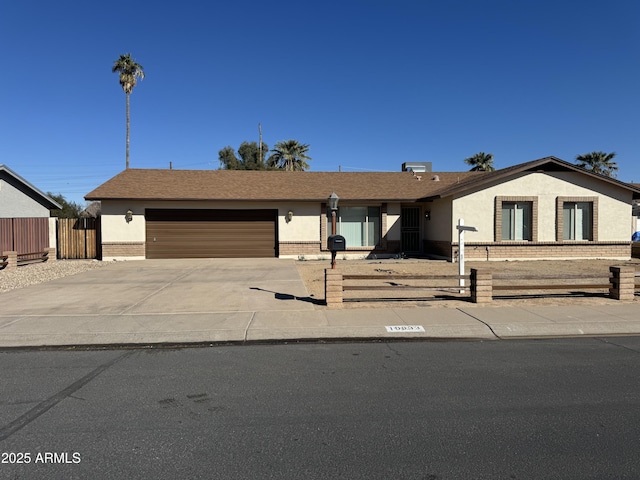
(128, 216)
(333, 201)
(333, 206)
(289, 216)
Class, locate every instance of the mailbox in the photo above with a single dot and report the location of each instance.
(336, 243)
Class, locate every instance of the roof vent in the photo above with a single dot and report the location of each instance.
(436, 178)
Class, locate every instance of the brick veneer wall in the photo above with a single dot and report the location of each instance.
(542, 250)
(123, 249)
(534, 215)
(440, 248)
(560, 217)
(394, 246)
(300, 248)
(531, 250)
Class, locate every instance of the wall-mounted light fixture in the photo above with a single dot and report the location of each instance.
(289, 216)
(427, 214)
(128, 216)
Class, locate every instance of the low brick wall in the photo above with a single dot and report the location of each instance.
(12, 258)
(622, 282)
(546, 250)
(311, 249)
(543, 250)
(481, 286)
(299, 248)
(622, 285)
(333, 287)
(123, 249)
(439, 248)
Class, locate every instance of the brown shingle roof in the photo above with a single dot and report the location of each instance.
(546, 164)
(147, 184)
(236, 185)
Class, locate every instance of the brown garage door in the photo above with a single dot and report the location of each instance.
(173, 233)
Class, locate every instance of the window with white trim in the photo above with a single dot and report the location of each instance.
(360, 226)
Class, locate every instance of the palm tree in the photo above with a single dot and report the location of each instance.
(599, 162)
(481, 162)
(290, 155)
(129, 71)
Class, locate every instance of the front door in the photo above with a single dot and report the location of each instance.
(410, 229)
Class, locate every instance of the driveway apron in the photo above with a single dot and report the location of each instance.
(166, 287)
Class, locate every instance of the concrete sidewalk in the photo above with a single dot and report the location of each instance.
(218, 301)
(473, 323)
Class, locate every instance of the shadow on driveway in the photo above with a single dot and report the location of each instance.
(287, 296)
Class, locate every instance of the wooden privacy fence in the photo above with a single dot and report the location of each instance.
(24, 235)
(621, 283)
(79, 238)
(23, 240)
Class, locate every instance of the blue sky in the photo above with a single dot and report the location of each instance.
(368, 84)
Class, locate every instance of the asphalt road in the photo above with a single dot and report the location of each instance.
(566, 409)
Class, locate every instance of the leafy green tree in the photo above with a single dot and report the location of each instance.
(481, 162)
(129, 72)
(250, 157)
(69, 209)
(599, 162)
(290, 155)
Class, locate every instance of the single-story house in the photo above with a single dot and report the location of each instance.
(546, 208)
(26, 225)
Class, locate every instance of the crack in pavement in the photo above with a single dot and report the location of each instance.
(609, 342)
(44, 406)
(246, 330)
(481, 321)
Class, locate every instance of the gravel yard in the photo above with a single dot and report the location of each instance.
(35, 273)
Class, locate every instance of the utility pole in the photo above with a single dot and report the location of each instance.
(260, 154)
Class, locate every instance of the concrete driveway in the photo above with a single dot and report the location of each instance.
(167, 287)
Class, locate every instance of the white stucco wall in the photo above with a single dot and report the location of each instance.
(303, 227)
(53, 239)
(393, 222)
(15, 204)
(614, 205)
(438, 227)
(114, 225)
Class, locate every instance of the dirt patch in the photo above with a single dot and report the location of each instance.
(589, 271)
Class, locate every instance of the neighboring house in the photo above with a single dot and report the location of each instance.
(546, 208)
(92, 211)
(25, 211)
